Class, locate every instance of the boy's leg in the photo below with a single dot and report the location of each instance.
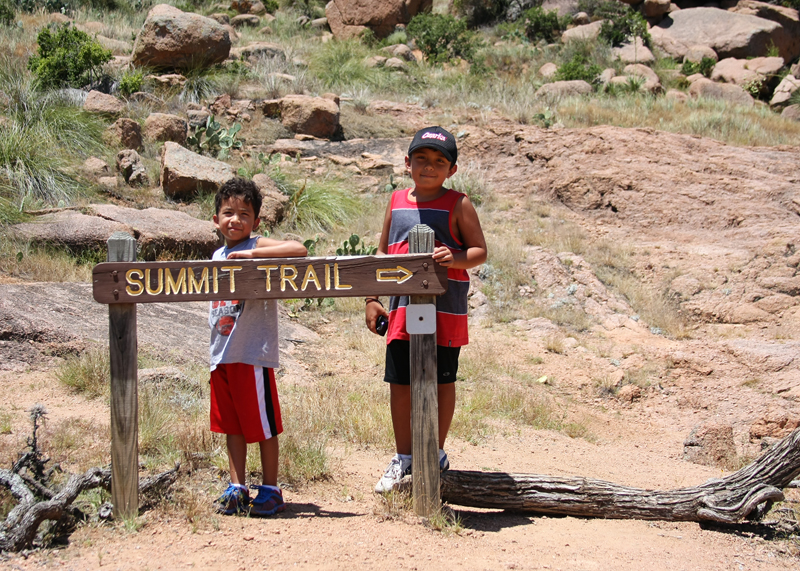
(269, 461)
(237, 458)
(400, 397)
(447, 407)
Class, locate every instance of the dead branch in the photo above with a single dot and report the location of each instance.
(724, 500)
(20, 527)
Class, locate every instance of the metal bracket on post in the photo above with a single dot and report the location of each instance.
(424, 395)
(123, 349)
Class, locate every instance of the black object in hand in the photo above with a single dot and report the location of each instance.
(381, 325)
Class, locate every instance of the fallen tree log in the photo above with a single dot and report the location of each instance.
(725, 500)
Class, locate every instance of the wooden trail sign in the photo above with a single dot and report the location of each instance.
(122, 283)
(276, 278)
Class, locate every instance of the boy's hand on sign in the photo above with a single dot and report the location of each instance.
(443, 255)
(243, 254)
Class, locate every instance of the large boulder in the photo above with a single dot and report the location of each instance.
(564, 89)
(753, 74)
(69, 228)
(349, 18)
(158, 231)
(729, 34)
(316, 116)
(171, 38)
(184, 173)
(788, 18)
(655, 8)
(165, 127)
(724, 91)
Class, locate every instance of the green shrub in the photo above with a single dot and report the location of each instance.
(704, 66)
(7, 14)
(67, 57)
(131, 82)
(271, 6)
(579, 67)
(442, 37)
(622, 28)
(544, 25)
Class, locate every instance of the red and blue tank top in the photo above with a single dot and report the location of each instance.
(451, 307)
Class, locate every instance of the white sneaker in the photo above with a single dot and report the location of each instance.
(395, 471)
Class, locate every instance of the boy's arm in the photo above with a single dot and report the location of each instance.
(271, 248)
(375, 308)
(468, 229)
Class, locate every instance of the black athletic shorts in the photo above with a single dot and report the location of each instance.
(398, 363)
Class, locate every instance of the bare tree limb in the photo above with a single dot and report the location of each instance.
(725, 500)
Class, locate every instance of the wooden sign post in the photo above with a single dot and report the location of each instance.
(122, 345)
(424, 396)
(122, 283)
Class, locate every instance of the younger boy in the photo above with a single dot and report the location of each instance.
(244, 356)
(459, 245)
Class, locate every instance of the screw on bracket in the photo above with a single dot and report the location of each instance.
(115, 275)
(116, 294)
(425, 284)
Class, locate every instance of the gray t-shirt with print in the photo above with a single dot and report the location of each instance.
(243, 331)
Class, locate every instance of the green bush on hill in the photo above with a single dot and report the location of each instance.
(544, 25)
(442, 37)
(7, 14)
(704, 66)
(579, 67)
(481, 12)
(621, 28)
(67, 57)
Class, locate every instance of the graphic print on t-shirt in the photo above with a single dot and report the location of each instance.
(224, 315)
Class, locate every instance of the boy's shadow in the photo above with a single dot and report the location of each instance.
(298, 510)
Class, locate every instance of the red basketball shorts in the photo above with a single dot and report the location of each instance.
(244, 400)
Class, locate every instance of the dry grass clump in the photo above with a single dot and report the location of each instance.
(756, 126)
(88, 373)
(29, 262)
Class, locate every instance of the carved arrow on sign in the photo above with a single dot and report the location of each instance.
(405, 275)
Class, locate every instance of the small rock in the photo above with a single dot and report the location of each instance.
(580, 19)
(783, 92)
(703, 87)
(696, 54)
(164, 127)
(548, 70)
(777, 423)
(245, 20)
(375, 61)
(395, 63)
(129, 164)
(102, 104)
(197, 117)
(126, 132)
(168, 80)
(95, 167)
(222, 18)
(183, 172)
(711, 445)
(629, 393)
(108, 182)
(564, 89)
(319, 23)
(258, 8)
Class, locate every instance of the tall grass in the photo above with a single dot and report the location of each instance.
(42, 137)
(319, 206)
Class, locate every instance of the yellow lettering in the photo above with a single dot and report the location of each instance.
(336, 283)
(147, 282)
(196, 286)
(216, 280)
(268, 269)
(230, 270)
(135, 282)
(327, 277)
(311, 276)
(288, 274)
(173, 285)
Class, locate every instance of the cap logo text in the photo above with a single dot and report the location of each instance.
(434, 136)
